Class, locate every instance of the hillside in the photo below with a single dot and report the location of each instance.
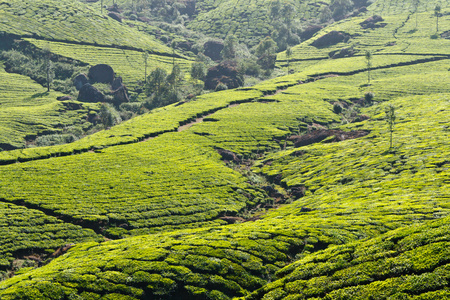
(74, 34)
(287, 189)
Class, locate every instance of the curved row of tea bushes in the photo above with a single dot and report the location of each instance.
(407, 263)
(72, 21)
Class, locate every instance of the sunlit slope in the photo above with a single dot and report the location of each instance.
(375, 194)
(27, 109)
(408, 263)
(398, 35)
(26, 230)
(377, 191)
(71, 21)
(175, 178)
(128, 64)
(249, 21)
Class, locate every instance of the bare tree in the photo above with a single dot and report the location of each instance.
(145, 57)
(369, 64)
(437, 13)
(390, 119)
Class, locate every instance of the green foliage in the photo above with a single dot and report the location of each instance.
(198, 71)
(28, 111)
(368, 56)
(109, 116)
(409, 263)
(390, 119)
(157, 184)
(38, 19)
(229, 49)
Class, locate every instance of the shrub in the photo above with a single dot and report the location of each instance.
(337, 108)
(109, 116)
(221, 87)
(368, 97)
(55, 139)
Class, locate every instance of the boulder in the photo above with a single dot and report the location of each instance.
(89, 93)
(64, 98)
(310, 31)
(80, 80)
(373, 22)
(212, 49)
(115, 16)
(120, 95)
(101, 73)
(227, 73)
(331, 38)
(117, 83)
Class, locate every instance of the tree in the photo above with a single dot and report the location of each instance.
(229, 50)
(109, 116)
(369, 65)
(174, 44)
(390, 119)
(275, 9)
(288, 11)
(288, 56)
(175, 77)
(266, 53)
(340, 8)
(48, 67)
(156, 82)
(416, 4)
(145, 57)
(437, 13)
(266, 46)
(198, 70)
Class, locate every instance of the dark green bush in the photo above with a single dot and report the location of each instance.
(55, 139)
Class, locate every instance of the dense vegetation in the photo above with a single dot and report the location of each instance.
(297, 187)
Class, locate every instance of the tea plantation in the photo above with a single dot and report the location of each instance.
(27, 109)
(235, 194)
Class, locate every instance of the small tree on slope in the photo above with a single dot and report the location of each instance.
(390, 119)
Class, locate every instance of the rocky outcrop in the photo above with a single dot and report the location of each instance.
(117, 83)
(120, 95)
(212, 49)
(229, 156)
(89, 93)
(115, 16)
(80, 80)
(101, 73)
(310, 31)
(227, 73)
(330, 38)
(373, 22)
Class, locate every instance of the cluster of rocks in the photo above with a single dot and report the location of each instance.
(101, 73)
